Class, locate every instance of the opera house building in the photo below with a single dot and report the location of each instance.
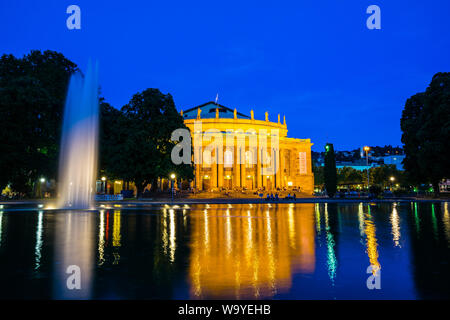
(234, 151)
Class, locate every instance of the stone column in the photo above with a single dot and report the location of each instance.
(214, 170)
(277, 172)
(243, 163)
(258, 168)
(236, 167)
(220, 167)
(282, 166)
(198, 177)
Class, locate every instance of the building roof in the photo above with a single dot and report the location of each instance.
(209, 111)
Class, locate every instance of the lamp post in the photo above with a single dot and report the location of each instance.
(41, 180)
(392, 181)
(366, 149)
(172, 180)
(104, 185)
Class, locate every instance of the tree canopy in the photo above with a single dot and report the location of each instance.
(135, 141)
(425, 124)
(32, 95)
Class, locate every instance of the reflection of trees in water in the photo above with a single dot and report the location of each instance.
(142, 254)
(331, 222)
(430, 242)
(244, 252)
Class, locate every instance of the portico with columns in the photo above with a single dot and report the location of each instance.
(233, 151)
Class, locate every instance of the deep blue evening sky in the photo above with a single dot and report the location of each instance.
(314, 61)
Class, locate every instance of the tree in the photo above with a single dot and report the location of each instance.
(136, 140)
(425, 124)
(32, 95)
(318, 175)
(348, 175)
(330, 170)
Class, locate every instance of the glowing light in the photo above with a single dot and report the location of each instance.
(173, 176)
(42, 180)
(331, 255)
(172, 235)
(116, 229)
(317, 210)
(395, 221)
(101, 238)
(103, 178)
(290, 183)
(38, 247)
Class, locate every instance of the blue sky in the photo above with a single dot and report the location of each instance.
(313, 61)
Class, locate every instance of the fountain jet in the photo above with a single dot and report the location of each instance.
(79, 143)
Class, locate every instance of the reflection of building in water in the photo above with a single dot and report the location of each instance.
(116, 236)
(368, 229)
(446, 221)
(252, 253)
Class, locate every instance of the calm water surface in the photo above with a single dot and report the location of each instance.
(248, 251)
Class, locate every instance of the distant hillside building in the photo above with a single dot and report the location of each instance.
(395, 160)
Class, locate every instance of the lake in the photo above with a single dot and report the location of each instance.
(227, 251)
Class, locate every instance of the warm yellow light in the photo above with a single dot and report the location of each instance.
(118, 182)
(392, 178)
(366, 148)
(290, 183)
(172, 176)
(103, 178)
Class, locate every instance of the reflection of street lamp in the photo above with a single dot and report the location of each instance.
(366, 149)
(104, 185)
(172, 177)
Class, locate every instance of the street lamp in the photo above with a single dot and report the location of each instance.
(104, 184)
(366, 149)
(172, 177)
(41, 180)
(392, 181)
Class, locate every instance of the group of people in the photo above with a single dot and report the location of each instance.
(272, 197)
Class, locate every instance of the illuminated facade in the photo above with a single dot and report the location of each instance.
(257, 145)
(253, 254)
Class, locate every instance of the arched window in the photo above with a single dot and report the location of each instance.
(228, 159)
